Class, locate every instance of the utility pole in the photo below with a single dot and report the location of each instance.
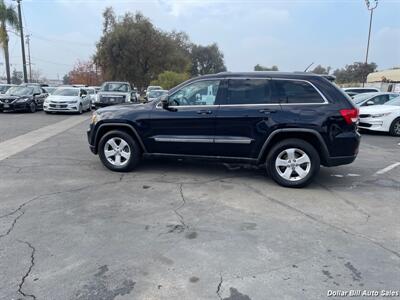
(28, 40)
(22, 40)
(370, 7)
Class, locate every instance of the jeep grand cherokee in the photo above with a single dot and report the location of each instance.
(292, 122)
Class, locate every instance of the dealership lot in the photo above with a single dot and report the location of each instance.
(71, 229)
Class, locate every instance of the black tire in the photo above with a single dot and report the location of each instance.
(301, 146)
(395, 127)
(32, 107)
(135, 151)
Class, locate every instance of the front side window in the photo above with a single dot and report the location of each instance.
(249, 91)
(197, 93)
(378, 100)
(293, 91)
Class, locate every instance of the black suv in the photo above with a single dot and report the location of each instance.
(292, 122)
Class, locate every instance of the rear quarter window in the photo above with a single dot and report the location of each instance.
(296, 92)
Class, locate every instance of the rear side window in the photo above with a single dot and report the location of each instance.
(249, 91)
(293, 91)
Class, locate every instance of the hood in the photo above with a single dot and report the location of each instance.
(120, 110)
(376, 109)
(56, 98)
(112, 93)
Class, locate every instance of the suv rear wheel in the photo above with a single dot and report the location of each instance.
(118, 151)
(293, 163)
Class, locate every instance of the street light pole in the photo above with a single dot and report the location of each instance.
(371, 8)
(22, 41)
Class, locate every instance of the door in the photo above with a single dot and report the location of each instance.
(188, 125)
(246, 117)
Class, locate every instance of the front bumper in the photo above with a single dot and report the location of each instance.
(374, 124)
(16, 106)
(54, 107)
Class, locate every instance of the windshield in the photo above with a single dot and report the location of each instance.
(156, 94)
(115, 87)
(20, 91)
(395, 101)
(361, 97)
(49, 89)
(66, 92)
(4, 88)
(150, 88)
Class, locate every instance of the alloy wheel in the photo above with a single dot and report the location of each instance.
(293, 164)
(396, 128)
(117, 151)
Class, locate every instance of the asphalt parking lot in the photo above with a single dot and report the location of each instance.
(71, 229)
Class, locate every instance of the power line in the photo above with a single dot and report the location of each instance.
(52, 62)
(53, 40)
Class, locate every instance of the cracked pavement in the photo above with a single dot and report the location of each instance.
(71, 229)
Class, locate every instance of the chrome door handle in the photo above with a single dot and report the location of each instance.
(267, 111)
(204, 112)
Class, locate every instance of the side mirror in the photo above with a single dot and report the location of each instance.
(370, 103)
(164, 101)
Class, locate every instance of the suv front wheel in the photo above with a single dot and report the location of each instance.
(293, 163)
(118, 151)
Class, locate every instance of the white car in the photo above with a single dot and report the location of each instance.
(367, 99)
(352, 91)
(384, 117)
(151, 88)
(67, 99)
(155, 94)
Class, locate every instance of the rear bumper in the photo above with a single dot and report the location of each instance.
(339, 160)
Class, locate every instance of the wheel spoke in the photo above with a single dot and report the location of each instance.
(118, 159)
(303, 159)
(288, 173)
(112, 144)
(290, 154)
(122, 144)
(299, 170)
(281, 162)
(109, 153)
(125, 154)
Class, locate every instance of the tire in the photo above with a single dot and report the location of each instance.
(395, 127)
(32, 107)
(110, 160)
(283, 163)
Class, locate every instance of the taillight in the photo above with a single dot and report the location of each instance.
(350, 115)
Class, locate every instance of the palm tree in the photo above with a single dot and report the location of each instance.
(8, 16)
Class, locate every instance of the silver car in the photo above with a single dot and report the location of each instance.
(67, 99)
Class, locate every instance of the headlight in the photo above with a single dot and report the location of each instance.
(22, 100)
(380, 115)
(95, 118)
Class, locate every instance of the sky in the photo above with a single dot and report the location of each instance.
(288, 33)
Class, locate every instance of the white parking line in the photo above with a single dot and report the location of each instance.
(20, 143)
(387, 169)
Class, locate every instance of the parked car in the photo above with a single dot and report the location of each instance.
(67, 99)
(23, 98)
(113, 92)
(367, 99)
(352, 91)
(155, 94)
(91, 92)
(291, 122)
(149, 89)
(4, 87)
(385, 118)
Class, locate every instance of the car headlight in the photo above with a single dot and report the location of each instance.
(380, 115)
(22, 100)
(95, 118)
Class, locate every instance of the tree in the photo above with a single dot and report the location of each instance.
(354, 73)
(321, 70)
(206, 60)
(84, 73)
(132, 49)
(16, 77)
(8, 17)
(66, 79)
(258, 67)
(169, 79)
